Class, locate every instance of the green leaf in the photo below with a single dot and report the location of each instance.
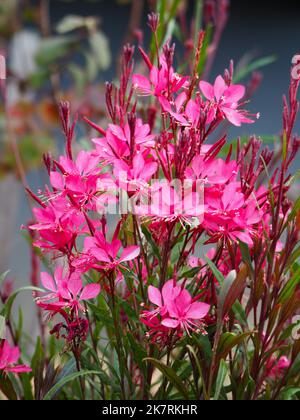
(150, 240)
(206, 44)
(139, 353)
(219, 276)
(255, 65)
(171, 375)
(228, 341)
(246, 254)
(38, 355)
(10, 301)
(7, 388)
(233, 287)
(190, 274)
(72, 22)
(101, 315)
(290, 287)
(129, 311)
(289, 394)
(64, 381)
(79, 76)
(53, 49)
(222, 374)
(295, 210)
(39, 78)
(240, 314)
(101, 50)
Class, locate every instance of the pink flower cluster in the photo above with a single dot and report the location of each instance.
(143, 144)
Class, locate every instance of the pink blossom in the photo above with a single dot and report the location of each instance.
(224, 99)
(9, 357)
(176, 309)
(117, 142)
(66, 291)
(162, 299)
(229, 215)
(276, 368)
(162, 81)
(58, 224)
(214, 171)
(102, 255)
(78, 180)
(170, 205)
(185, 314)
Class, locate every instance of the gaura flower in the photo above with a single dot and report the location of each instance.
(176, 310)
(66, 291)
(161, 299)
(162, 81)
(185, 314)
(225, 99)
(276, 368)
(102, 255)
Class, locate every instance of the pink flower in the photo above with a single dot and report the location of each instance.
(225, 99)
(117, 142)
(230, 215)
(58, 224)
(78, 180)
(162, 81)
(101, 255)
(167, 204)
(134, 177)
(213, 171)
(176, 309)
(276, 368)
(66, 291)
(9, 357)
(185, 314)
(162, 299)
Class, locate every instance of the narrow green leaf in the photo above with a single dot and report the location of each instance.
(64, 381)
(7, 388)
(289, 288)
(153, 245)
(289, 393)
(228, 341)
(190, 274)
(219, 276)
(8, 305)
(171, 375)
(222, 374)
(255, 65)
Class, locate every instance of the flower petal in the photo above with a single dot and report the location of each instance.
(48, 282)
(198, 310)
(130, 253)
(170, 323)
(141, 83)
(155, 296)
(208, 90)
(91, 291)
(219, 87)
(234, 94)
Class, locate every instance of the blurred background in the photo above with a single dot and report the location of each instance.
(66, 50)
